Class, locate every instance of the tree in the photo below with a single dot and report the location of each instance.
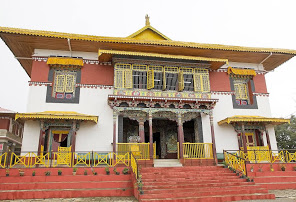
(286, 134)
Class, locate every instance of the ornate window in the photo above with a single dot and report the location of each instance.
(64, 84)
(161, 77)
(242, 84)
(241, 91)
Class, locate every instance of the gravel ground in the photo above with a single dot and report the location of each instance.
(288, 195)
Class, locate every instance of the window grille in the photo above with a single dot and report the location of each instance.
(140, 67)
(156, 68)
(64, 84)
(122, 66)
(241, 89)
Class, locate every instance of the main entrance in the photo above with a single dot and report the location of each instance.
(164, 135)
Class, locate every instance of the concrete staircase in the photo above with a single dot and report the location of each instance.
(65, 186)
(167, 163)
(198, 183)
(275, 180)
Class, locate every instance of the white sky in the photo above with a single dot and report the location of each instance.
(253, 23)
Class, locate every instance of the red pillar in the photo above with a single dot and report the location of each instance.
(150, 136)
(141, 131)
(114, 131)
(267, 138)
(213, 138)
(180, 135)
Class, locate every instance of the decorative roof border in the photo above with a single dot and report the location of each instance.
(260, 119)
(64, 115)
(81, 37)
(182, 57)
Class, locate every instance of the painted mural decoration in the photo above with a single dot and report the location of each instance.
(171, 141)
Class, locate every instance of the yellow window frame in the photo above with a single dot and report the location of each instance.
(241, 89)
(150, 79)
(201, 80)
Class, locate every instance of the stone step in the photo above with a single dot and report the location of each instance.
(65, 185)
(217, 198)
(204, 188)
(66, 178)
(181, 193)
(65, 193)
(274, 179)
(278, 185)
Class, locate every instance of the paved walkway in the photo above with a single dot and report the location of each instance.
(288, 195)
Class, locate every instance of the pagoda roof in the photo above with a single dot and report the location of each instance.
(22, 43)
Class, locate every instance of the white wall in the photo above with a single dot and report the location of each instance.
(225, 135)
(31, 136)
(90, 136)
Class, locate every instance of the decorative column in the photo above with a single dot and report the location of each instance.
(267, 138)
(150, 135)
(141, 130)
(114, 130)
(180, 134)
(73, 138)
(244, 138)
(213, 137)
(41, 136)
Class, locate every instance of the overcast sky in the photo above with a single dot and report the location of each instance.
(264, 23)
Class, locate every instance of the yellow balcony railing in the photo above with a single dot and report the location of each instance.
(197, 150)
(139, 150)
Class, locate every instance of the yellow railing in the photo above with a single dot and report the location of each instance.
(235, 162)
(134, 165)
(154, 150)
(197, 150)
(3, 160)
(139, 150)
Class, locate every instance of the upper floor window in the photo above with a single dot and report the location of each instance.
(241, 91)
(241, 81)
(161, 77)
(64, 84)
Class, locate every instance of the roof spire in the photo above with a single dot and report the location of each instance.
(147, 20)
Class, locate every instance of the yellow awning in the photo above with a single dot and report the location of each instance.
(65, 61)
(237, 71)
(106, 56)
(62, 115)
(254, 119)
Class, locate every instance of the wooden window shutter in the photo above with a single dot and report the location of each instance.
(119, 78)
(164, 81)
(128, 78)
(70, 84)
(197, 83)
(205, 83)
(181, 80)
(60, 83)
(150, 79)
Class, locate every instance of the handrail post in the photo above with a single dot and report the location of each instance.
(92, 158)
(51, 154)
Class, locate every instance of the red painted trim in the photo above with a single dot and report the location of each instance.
(40, 71)
(219, 81)
(97, 74)
(260, 83)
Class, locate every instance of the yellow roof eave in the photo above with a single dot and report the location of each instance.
(253, 119)
(65, 61)
(182, 57)
(59, 115)
(135, 41)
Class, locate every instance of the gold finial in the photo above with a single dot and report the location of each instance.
(147, 20)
